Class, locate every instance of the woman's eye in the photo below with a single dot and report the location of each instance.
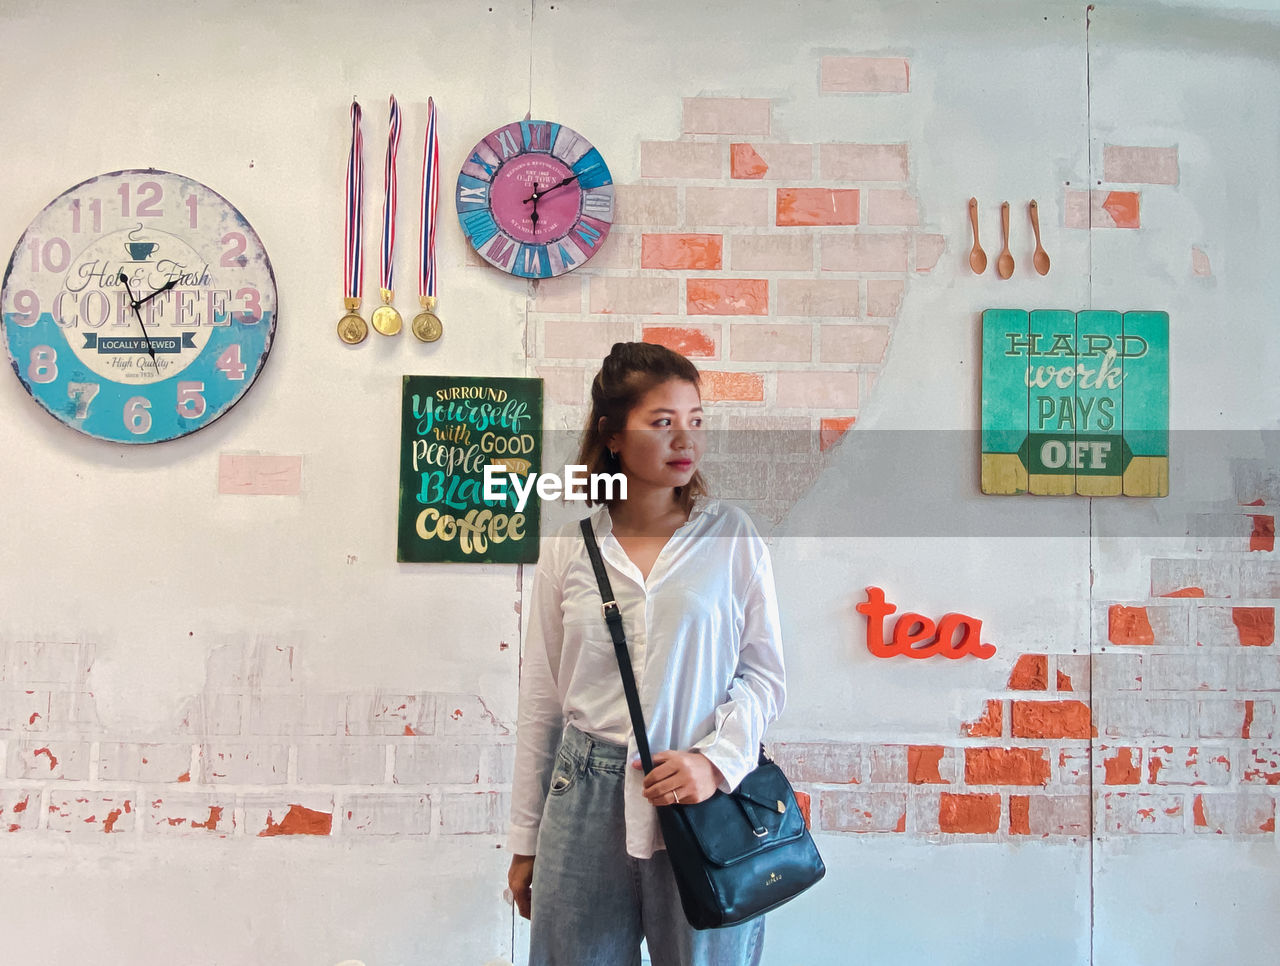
(663, 422)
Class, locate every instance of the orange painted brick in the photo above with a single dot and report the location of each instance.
(1031, 673)
(685, 251)
(833, 430)
(818, 389)
(1064, 682)
(745, 162)
(1006, 766)
(969, 814)
(734, 206)
(681, 159)
(990, 725)
(1052, 719)
(805, 803)
(753, 342)
(1129, 625)
(1255, 625)
(864, 75)
(299, 821)
(732, 386)
(753, 162)
(863, 162)
(854, 343)
(697, 342)
(864, 253)
(727, 115)
(1263, 536)
(636, 204)
(819, 297)
(727, 296)
(1102, 209)
(772, 253)
(817, 206)
(922, 765)
(1019, 815)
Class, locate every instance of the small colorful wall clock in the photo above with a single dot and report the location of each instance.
(138, 306)
(535, 199)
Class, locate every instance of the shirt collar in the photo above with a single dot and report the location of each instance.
(602, 521)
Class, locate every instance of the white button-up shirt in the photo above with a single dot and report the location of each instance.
(706, 650)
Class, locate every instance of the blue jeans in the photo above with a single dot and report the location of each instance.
(592, 903)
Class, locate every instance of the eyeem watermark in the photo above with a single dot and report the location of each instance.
(576, 484)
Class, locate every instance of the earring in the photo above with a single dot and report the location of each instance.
(613, 454)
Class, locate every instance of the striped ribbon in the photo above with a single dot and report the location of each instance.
(389, 200)
(430, 198)
(353, 270)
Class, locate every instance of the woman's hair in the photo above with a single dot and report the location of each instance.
(629, 371)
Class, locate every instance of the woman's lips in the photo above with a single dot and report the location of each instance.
(680, 464)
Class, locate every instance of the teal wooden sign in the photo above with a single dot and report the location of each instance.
(451, 429)
(1075, 402)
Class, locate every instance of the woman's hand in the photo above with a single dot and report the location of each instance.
(685, 776)
(520, 882)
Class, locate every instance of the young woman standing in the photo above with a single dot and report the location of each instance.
(694, 583)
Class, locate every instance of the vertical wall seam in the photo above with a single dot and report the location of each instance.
(1093, 794)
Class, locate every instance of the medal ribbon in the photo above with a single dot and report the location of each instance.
(430, 198)
(353, 269)
(389, 200)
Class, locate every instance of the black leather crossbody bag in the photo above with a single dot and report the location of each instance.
(736, 855)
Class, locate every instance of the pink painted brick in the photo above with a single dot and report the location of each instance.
(1222, 718)
(563, 384)
(771, 343)
(865, 75)
(1193, 577)
(727, 296)
(818, 297)
(618, 251)
(261, 474)
(392, 712)
(211, 715)
(473, 813)
(91, 813)
(1134, 716)
(378, 814)
(1117, 672)
(929, 249)
(771, 162)
(127, 762)
(440, 763)
(319, 713)
(1102, 209)
(584, 340)
(863, 162)
(74, 711)
(687, 160)
(854, 343)
(1059, 814)
(1073, 765)
(1182, 765)
(818, 389)
(50, 663)
(1128, 813)
(19, 809)
(25, 711)
(1200, 264)
(856, 810)
(886, 206)
(467, 714)
(342, 763)
(1187, 672)
(1260, 578)
(694, 341)
(190, 814)
(1257, 672)
(562, 294)
(648, 205)
(771, 253)
(864, 253)
(727, 115)
(834, 762)
(730, 207)
(635, 296)
(67, 760)
(1121, 164)
(227, 764)
(1245, 814)
(1072, 673)
(884, 298)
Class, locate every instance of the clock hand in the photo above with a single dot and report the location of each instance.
(150, 349)
(163, 288)
(534, 217)
(538, 194)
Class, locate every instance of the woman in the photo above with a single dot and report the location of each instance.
(695, 585)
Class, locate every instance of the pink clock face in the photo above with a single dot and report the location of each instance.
(535, 199)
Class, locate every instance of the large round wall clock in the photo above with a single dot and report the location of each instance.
(535, 199)
(139, 306)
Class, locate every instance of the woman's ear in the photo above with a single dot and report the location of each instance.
(609, 439)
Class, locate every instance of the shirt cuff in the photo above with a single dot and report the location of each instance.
(521, 840)
(730, 762)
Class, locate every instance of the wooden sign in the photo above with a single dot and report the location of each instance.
(451, 429)
(1075, 402)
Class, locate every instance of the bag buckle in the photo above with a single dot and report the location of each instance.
(604, 608)
(760, 832)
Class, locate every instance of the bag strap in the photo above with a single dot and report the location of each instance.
(613, 617)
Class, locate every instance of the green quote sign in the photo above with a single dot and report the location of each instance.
(451, 429)
(1075, 402)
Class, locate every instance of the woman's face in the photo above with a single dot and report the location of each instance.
(663, 441)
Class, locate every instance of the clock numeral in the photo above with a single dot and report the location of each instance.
(507, 143)
(472, 196)
(598, 203)
(83, 393)
(26, 304)
(534, 261)
(192, 205)
(137, 415)
(150, 194)
(191, 402)
(229, 363)
(234, 256)
(588, 232)
(252, 313)
(53, 256)
(537, 135)
(44, 364)
(95, 209)
(501, 252)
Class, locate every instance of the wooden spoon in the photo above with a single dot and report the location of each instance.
(977, 257)
(1041, 257)
(1004, 264)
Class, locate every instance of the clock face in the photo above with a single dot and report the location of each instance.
(138, 306)
(535, 199)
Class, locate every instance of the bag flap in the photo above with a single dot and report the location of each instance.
(759, 815)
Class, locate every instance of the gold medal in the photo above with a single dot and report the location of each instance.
(351, 328)
(385, 318)
(426, 324)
